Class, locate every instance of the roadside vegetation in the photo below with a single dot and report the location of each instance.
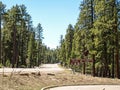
(36, 82)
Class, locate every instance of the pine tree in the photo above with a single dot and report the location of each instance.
(31, 49)
(23, 34)
(115, 28)
(16, 35)
(68, 42)
(2, 11)
(39, 41)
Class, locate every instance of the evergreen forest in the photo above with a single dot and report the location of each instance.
(20, 42)
(96, 31)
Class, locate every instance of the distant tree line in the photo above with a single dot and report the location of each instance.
(98, 31)
(20, 42)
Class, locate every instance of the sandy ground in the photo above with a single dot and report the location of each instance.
(89, 87)
(52, 75)
(43, 68)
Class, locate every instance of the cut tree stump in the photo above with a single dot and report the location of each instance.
(51, 74)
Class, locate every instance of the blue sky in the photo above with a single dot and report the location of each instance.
(54, 16)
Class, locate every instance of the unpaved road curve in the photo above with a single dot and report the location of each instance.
(89, 87)
(43, 68)
(50, 68)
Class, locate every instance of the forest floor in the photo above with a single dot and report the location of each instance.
(38, 80)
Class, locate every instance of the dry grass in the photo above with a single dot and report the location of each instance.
(36, 82)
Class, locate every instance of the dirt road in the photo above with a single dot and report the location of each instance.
(43, 68)
(57, 79)
(89, 87)
(50, 68)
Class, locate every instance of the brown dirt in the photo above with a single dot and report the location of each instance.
(36, 82)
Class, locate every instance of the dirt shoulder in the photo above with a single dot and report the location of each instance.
(36, 82)
(43, 68)
(50, 77)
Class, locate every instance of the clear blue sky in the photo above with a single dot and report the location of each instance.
(54, 16)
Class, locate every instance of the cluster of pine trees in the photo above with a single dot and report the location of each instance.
(97, 31)
(20, 43)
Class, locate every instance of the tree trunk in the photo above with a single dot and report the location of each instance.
(14, 47)
(117, 58)
(93, 65)
(84, 65)
(0, 36)
(113, 64)
(105, 58)
(115, 28)
(92, 15)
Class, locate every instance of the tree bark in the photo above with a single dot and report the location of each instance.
(14, 47)
(115, 28)
(0, 35)
(92, 15)
(84, 65)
